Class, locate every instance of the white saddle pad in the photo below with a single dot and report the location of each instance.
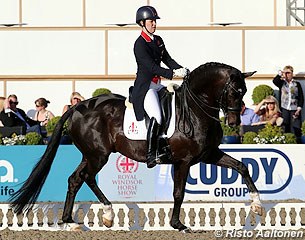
(136, 130)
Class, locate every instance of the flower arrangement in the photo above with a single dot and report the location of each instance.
(269, 135)
(14, 140)
(31, 138)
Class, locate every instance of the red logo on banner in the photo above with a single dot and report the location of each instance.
(126, 165)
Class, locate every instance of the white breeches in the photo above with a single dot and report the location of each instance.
(152, 104)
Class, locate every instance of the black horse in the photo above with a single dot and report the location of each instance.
(95, 126)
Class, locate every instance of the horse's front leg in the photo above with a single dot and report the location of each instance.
(230, 162)
(180, 176)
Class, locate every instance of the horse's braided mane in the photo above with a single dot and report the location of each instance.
(209, 66)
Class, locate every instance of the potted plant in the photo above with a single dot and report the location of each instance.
(65, 138)
(33, 138)
(230, 134)
(274, 135)
(100, 91)
(260, 92)
(248, 137)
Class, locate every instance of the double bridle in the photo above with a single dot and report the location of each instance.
(202, 104)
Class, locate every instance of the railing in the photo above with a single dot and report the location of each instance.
(156, 216)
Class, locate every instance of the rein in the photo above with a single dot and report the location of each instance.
(185, 111)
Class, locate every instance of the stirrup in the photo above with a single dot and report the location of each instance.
(152, 162)
(159, 159)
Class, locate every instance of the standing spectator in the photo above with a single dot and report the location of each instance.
(12, 116)
(74, 99)
(42, 114)
(291, 100)
(268, 110)
(247, 115)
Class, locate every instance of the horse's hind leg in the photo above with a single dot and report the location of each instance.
(230, 162)
(108, 215)
(75, 182)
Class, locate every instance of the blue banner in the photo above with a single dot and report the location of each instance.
(16, 163)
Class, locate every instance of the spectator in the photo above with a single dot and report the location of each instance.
(74, 99)
(247, 115)
(2, 99)
(291, 100)
(12, 116)
(269, 111)
(42, 114)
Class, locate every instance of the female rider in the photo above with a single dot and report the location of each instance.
(150, 51)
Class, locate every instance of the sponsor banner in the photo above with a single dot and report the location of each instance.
(16, 163)
(124, 179)
(277, 171)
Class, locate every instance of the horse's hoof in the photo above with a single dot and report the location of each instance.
(257, 209)
(186, 230)
(74, 227)
(108, 223)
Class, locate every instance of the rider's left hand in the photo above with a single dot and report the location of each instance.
(180, 72)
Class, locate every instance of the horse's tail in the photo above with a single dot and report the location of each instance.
(27, 195)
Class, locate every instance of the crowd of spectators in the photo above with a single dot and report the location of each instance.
(12, 116)
(284, 111)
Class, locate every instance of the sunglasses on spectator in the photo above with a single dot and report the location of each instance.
(37, 105)
(287, 72)
(270, 103)
(11, 102)
(76, 99)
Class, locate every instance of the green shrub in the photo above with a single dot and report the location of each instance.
(33, 138)
(303, 128)
(1, 142)
(270, 134)
(100, 91)
(52, 123)
(229, 131)
(260, 92)
(248, 138)
(290, 138)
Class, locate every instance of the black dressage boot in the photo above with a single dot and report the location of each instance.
(153, 157)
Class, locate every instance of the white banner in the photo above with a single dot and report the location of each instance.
(277, 171)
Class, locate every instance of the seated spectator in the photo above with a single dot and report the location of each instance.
(74, 99)
(269, 111)
(2, 99)
(247, 115)
(42, 114)
(11, 116)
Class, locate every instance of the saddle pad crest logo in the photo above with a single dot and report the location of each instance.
(136, 130)
(133, 128)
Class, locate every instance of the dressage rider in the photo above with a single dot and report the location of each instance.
(150, 51)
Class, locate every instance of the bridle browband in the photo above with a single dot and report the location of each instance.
(185, 113)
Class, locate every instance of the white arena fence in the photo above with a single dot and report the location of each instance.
(156, 216)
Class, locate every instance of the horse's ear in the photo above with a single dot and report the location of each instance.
(248, 74)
